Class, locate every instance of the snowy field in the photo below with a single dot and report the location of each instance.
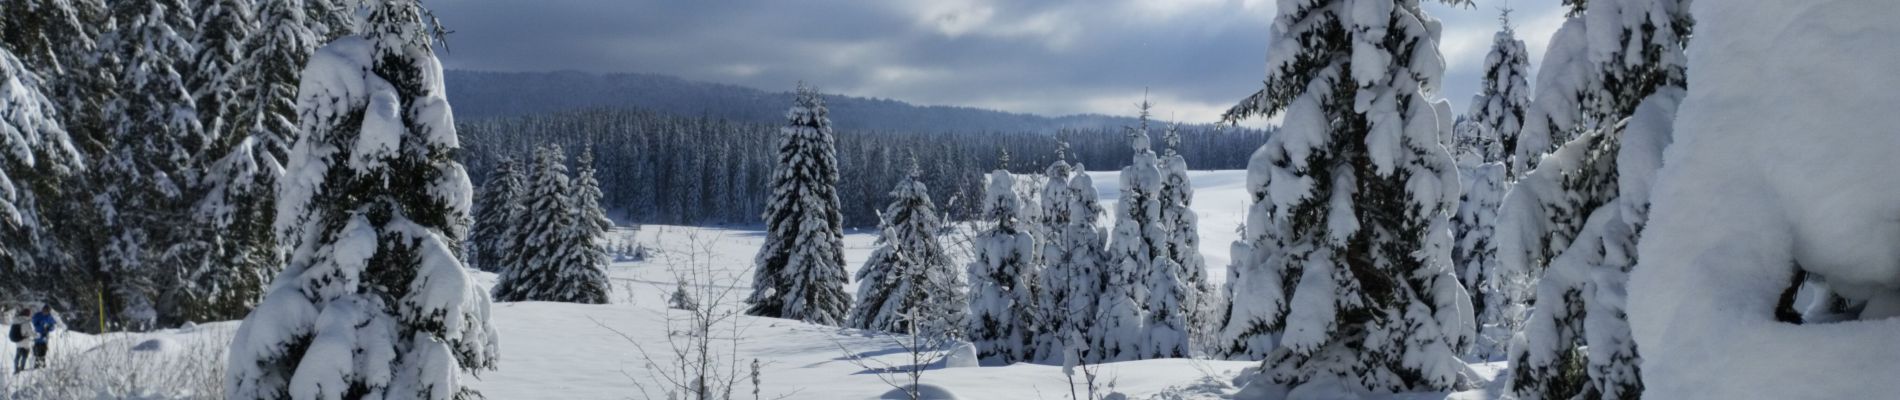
(573, 351)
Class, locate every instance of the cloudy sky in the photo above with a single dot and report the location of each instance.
(1052, 57)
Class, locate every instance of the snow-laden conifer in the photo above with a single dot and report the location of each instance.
(1081, 266)
(910, 274)
(1358, 187)
(1003, 282)
(496, 206)
(1120, 306)
(273, 59)
(146, 174)
(1498, 110)
(587, 196)
(554, 257)
(237, 191)
(1575, 218)
(374, 302)
(34, 148)
(1482, 145)
(1180, 298)
(799, 272)
(1058, 268)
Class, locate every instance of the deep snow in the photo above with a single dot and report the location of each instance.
(1783, 159)
(572, 351)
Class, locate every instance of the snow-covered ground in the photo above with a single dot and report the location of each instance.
(573, 351)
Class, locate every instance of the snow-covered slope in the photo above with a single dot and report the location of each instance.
(573, 351)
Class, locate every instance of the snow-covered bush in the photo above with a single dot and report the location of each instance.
(188, 363)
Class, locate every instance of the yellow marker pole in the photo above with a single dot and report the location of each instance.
(102, 309)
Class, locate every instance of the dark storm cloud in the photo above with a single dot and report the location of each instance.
(1194, 57)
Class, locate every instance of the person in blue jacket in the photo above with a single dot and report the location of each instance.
(43, 323)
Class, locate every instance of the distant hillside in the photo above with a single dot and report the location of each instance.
(483, 95)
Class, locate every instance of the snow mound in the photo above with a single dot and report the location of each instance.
(925, 391)
(155, 345)
(964, 356)
(1782, 163)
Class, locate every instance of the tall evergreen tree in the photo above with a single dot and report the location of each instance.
(554, 257)
(214, 75)
(799, 273)
(1496, 117)
(583, 273)
(1360, 188)
(146, 173)
(374, 301)
(910, 274)
(1003, 279)
(587, 196)
(274, 57)
(34, 152)
(494, 233)
(1179, 294)
(57, 41)
(1052, 329)
(1575, 218)
(1121, 307)
(526, 271)
(235, 194)
(1081, 266)
(1498, 110)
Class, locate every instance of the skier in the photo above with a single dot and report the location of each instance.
(20, 332)
(43, 324)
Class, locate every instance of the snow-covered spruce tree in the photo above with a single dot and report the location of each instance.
(215, 75)
(55, 41)
(554, 257)
(1132, 251)
(496, 206)
(1496, 116)
(1360, 190)
(34, 152)
(274, 57)
(236, 193)
(587, 197)
(799, 273)
(910, 274)
(374, 302)
(1003, 290)
(1053, 246)
(1498, 110)
(1574, 219)
(146, 173)
(332, 19)
(1498, 296)
(1176, 320)
(1081, 265)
